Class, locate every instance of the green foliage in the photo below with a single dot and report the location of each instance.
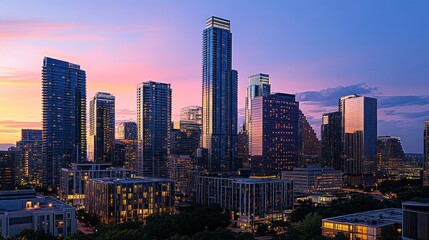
(310, 226)
(30, 234)
(391, 186)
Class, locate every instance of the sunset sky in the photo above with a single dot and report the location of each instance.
(319, 50)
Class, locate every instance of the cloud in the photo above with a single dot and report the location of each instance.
(396, 101)
(4, 124)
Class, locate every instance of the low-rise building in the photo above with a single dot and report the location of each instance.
(73, 180)
(128, 199)
(315, 179)
(364, 225)
(23, 209)
(415, 221)
(250, 200)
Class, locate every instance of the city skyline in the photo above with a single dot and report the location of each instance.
(319, 70)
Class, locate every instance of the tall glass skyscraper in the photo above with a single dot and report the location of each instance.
(153, 127)
(331, 132)
(127, 131)
(64, 117)
(359, 139)
(219, 96)
(101, 145)
(426, 153)
(30, 167)
(275, 133)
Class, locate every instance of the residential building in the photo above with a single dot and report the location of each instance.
(127, 131)
(359, 137)
(364, 225)
(331, 132)
(415, 221)
(23, 210)
(250, 200)
(118, 200)
(219, 96)
(179, 167)
(153, 125)
(30, 167)
(8, 168)
(74, 179)
(64, 117)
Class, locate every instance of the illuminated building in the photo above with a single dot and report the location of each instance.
(153, 127)
(101, 147)
(179, 167)
(191, 118)
(364, 225)
(128, 199)
(309, 144)
(315, 179)
(390, 156)
(415, 222)
(275, 136)
(23, 210)
(127, 131)
(8, 168)
(30, 167)
(331, 132)
(64, 117)
(184, 142)
(250, 200)
(359, 121)
(426, 154)
(73, 180)
(219, 96)
(243, 148)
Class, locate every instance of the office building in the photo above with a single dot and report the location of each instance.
(426, 153)
(73, 180)
(390, 156)
(415, 221)
(101, 143)
(64, 117)
(250, 200)
(184, 143)
(24, 210)
(8, 168)
(191, 118)
(179, 167)
(364, 225)
(243, 148)
(275, 134)
(30, 167)
(121, 200)
(219, 96)
(309, 143)
(359, 137)
(153, 125)
(127, 131)
(331, 132)
(315, 179)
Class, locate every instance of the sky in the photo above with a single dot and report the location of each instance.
(318, 50)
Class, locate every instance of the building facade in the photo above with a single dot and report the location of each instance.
(275, 133)
(179, 167)
(390, 156)
(415, 221)
(30, 167)
(219, 96)
(250, 200)
(426, 153)
(8, 168)
(101, 143)
(23, 209)
(309, 149)
(153, 127)
(129, 199)
(359, 139)
(127, 131)
(331, 132)
(64, 117)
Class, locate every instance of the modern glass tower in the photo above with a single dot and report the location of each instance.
(30, 167)
(275, 133)
(64, 117)
(331, 132)
(426, 153)
(219, 96)
(359, 139)
(153, 127)
(127, 131)
(101, 145)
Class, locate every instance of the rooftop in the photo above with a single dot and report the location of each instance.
(130, 180)
(378, 218)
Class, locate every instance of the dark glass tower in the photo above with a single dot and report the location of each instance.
(127, 131)
(153, 127)
(331, 141)
(101, 145)
(275, 133)
(219, 96)
(30, 166)
(64, 117)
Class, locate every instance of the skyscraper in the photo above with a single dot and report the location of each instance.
(259, 85)
(390, 155)
(30, 167)
(309, 143)
(359, 137)
(426, 153)
(331, 132)
(126, 144)
(153, 127)
(127, 131)
(64, 117)
(219, 96)
(275, 136)
(101, 145)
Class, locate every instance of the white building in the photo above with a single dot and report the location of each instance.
(23, 209)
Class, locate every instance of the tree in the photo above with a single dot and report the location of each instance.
(310, 226)
(390, 233)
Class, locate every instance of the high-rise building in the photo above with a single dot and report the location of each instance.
(426, 153)
(101, 147)
(309, 143)
(127, 131)
(64, 117)
(359, 137)
(8, 168)
(275, 136)
(415, 218)
(390, 155)
(191, 118)
(184, 143)
(331, 141)
(243, 148)
(30, 167)
(153, 125)
(219, 96)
